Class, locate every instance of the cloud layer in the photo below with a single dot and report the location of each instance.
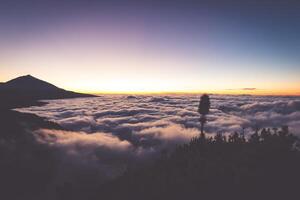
(110, 132)
(125, 116)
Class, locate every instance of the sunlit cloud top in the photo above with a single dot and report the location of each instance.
(140, 47)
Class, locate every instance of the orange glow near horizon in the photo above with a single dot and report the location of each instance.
(221, 92)
(258, 92)
(159, 86)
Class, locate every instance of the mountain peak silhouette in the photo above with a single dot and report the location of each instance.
(26, 89)
(28, 83)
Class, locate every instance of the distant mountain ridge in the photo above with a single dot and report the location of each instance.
(25, 90)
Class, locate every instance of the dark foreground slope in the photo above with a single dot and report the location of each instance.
(26, 167)
(26, 90)
(267, 166)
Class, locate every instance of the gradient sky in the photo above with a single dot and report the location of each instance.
(154, 46)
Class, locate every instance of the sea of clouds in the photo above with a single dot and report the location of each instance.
(110, 132)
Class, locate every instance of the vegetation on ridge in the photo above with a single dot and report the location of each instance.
(264, 166)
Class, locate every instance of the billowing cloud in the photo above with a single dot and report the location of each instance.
(108, 133)
(174, 133)
(108, 155)
(103, 154)
(81, 141)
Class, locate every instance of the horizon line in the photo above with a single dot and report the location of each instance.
(269, 93)
(229, 91)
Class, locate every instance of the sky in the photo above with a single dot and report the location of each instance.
(154, 46)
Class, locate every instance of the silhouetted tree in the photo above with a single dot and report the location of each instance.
(203, 110)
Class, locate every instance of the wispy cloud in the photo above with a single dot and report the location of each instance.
(249, 88)
(238, 89)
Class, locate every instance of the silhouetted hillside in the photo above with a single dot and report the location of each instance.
(266, 166)
(25, 90)
(26, 167)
